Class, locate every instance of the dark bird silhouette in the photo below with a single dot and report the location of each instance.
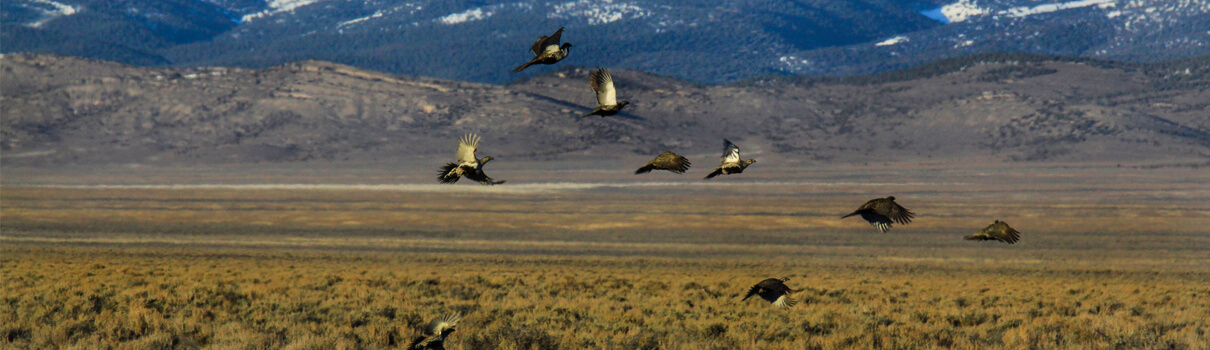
(997, 231)
(774, 291)
(467, 165)
(731, 163)
(607, 96)
(547, 50)
(435, 333)
(666, 161)
(881, 212)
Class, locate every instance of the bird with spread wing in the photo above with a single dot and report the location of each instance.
(774, 291)
(731, 163)
(997, 231)
(881, 212)
(435, 333)
(467, 166)
(547, 50)
(607, 95)
(666, 161)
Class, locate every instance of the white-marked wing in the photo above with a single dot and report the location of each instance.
(545, 42)
(730, 152)
(602, 84)
(466, 148)
(441, 324)
(784, 301)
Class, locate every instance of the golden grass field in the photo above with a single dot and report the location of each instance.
(1116, 263)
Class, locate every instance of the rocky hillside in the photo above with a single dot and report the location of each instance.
(61, 111)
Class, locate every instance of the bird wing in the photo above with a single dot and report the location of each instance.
(602, 84)
(1007, 233)
(730, 152)
(784, 301)
(544, 42)
(441, 324)
(467, 147)
(480, 177)
(671, 162)
(998, 230)
(892, 210)
(879, 221)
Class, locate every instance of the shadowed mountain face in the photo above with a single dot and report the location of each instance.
(63, 111)
(698, 40)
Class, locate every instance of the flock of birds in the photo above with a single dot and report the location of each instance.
(879, 212)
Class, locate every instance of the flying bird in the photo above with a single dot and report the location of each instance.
(774, 291)
(435, 333)
(547, 50)
(666, 161)
(607, 96)
(997, 231)
(731, 163)
(881, 212)
(467, 165)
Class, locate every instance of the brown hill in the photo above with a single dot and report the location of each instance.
(64, 111)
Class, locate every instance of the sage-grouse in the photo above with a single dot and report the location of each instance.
(435, 333)
(731, 163)
(607, 96)
(547, 50)
(467, 165)
(774, 291)
(666, 161)
(997, 231)
(881, 212)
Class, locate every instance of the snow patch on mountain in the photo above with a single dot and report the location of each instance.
(474, 14)
(55, 10)
(962, 10)
(893, 41)
(480, 13)
(1046, 8)
(359, 20)
(279, 6)
(598, 12)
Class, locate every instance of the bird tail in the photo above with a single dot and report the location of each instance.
(522, 67)
(713, 174)
(443, 175)
(645, 169)
(850, 214)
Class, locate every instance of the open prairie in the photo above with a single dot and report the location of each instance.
(1109, 258)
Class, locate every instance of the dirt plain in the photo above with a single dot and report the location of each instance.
(1109, 258)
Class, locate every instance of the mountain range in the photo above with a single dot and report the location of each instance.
(63, 111)
(703, 41)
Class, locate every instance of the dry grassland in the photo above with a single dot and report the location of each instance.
(1104, 266)
(141, 298)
